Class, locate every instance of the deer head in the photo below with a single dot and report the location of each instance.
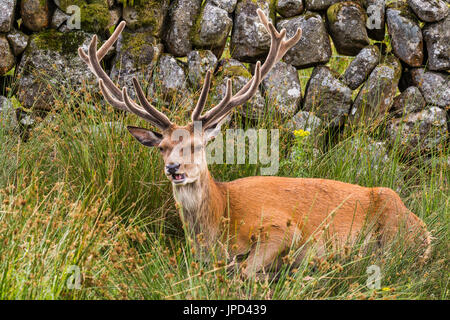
(183, 147)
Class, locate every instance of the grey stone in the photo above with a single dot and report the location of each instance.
(148, 15)
(212, 27)
(429, 10)
(289, 8)
(283, 89)
(137, 55)
(64, 28)
(47, 66)
(360, 68)
(35, 14)
(313, 47)
(347, 24)
(8, 119)
(182, 15)
(228, 5)
(437, 38)
(377, 94)
(7, 60)
(250, 41)
(327, 96)
(58, 18)
(435, 86)
(419, 131)
(318, 5)
(304, 120)
(170, 78)
(199, 62)
(7, 14)
(18, 41)
(375, 10)
(409, 101)
(406, 35)
(239, 75)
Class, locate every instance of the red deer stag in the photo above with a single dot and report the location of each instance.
(281, 212)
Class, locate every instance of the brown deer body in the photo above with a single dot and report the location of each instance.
(283, 213)
(259, 216)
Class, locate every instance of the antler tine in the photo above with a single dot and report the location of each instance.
(126, 105)
(229, 103)
(278, 47)
(209, 116)
(134, 108)
(203, 97)
(106, 46)
(98, 70)
(110, 99)
(148, 106)
(116, 97)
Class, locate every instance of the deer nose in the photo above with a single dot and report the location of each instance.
(172, 167)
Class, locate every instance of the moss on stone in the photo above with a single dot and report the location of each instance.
(231, 70)
(150, 14)
(94, 13)
(394, 63)
(94, 17)
(404, 9)
(197, 27)
(133, 43)
(64, 43)
(236, 71)
(137, 45)
(333, 11)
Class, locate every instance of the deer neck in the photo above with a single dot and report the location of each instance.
(202, 206)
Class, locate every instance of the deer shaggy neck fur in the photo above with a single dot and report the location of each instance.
(202, 206)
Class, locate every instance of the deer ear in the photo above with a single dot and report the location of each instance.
(213, 130)
(147, 137)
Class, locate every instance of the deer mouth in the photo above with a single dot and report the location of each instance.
(178, 177)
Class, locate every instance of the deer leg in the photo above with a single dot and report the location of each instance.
(262, 255)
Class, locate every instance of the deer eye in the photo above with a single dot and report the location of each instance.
(161, 149)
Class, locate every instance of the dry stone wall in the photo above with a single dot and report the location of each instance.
(397, 46)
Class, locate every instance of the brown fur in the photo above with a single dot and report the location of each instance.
(278, 211)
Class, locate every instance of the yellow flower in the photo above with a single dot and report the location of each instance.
(301, 133)
(386, 289)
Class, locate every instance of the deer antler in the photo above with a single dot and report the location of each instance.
(116, 97)
(119, 98)
(278, 47)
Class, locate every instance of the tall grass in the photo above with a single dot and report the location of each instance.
(80, 192)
